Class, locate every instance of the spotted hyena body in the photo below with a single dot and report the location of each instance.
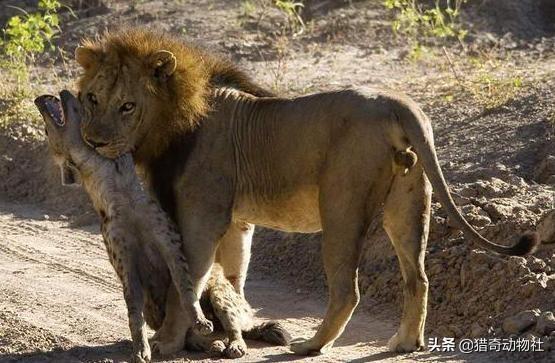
(143, 245)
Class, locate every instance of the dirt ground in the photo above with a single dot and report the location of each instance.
(61, 301)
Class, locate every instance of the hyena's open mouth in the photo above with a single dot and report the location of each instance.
(51, 107)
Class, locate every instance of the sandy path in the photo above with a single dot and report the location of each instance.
(58, 293)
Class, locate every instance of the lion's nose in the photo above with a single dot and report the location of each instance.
(93, 143)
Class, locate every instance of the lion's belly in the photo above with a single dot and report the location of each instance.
(297, 211)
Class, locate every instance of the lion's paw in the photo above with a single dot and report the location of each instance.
(141, 353)
(140, 358)
(398, 345)
(167, 347)
(236, 349)
(302, 346)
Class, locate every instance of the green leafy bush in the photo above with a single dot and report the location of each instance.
(28, 35)
(292, 10)
(416, 21)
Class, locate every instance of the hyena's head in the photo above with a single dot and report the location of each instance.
(62, 126)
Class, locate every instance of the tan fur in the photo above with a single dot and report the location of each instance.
(325, 161)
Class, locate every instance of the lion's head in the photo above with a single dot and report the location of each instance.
(138, 88)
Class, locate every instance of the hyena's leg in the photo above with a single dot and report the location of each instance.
(121, 257)
(234, 253)
(168, 241)
(406, 221)
(231, 315)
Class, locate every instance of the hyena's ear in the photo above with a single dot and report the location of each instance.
(86, 56)
(163, 64)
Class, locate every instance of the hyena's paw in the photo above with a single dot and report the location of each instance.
(217, 348)
(203, 326)
(236, 349)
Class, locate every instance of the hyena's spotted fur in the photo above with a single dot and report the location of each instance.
(225, 305)
(143, 245)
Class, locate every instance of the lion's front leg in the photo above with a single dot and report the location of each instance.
(170, 338)
(204, 216)
(168, 241)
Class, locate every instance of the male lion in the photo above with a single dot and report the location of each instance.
(220, 158)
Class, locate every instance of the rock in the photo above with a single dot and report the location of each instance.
(520, 322)
(536, 265)
(497, 211)
(474, 215)
(545, 323)
(546, 227)
(492, 188)
(468, 192)
(545, 169)
(517, 264)
(461, 200)
(517, 181)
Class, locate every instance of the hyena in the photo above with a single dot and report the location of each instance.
(141, 243)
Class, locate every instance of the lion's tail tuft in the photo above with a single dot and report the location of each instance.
(528, 243)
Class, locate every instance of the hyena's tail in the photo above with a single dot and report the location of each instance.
(270, 332)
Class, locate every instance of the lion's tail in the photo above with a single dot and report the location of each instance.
(270, 332)
(417, 127)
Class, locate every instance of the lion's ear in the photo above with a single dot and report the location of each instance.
(86, 57)
(163, 64)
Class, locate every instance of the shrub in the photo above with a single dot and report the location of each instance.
(28, 35)
(416, 21)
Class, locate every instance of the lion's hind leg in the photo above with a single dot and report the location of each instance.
(406, 221)
(348, 203)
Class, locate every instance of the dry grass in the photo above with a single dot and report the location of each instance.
(489, 81)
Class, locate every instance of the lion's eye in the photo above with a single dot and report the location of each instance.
(127, 107)
(92, 98)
